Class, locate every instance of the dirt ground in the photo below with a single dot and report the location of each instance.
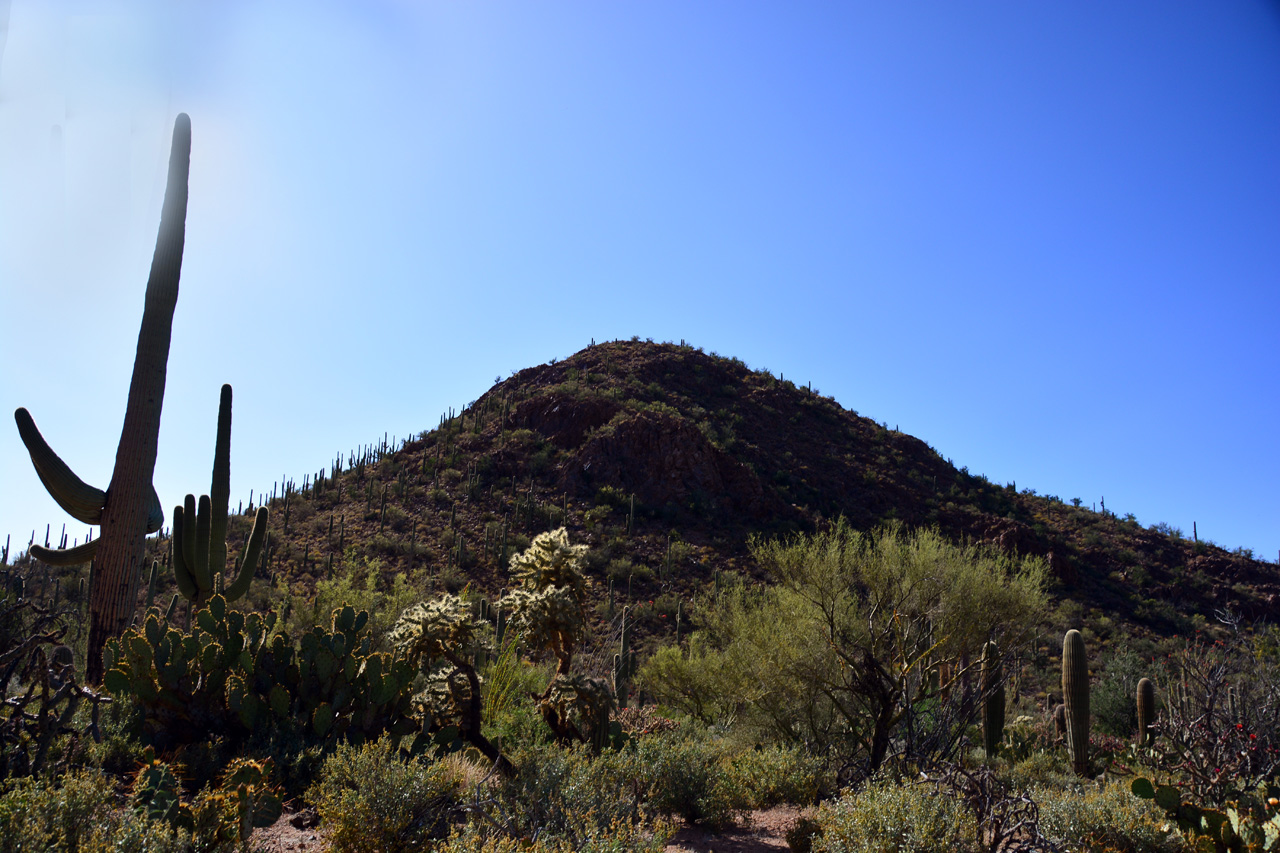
(765, 832)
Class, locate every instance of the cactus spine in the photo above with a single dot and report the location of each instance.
(1146, 710)
(129, 508)
(200, 533)
(993, 699)
(1075, 697)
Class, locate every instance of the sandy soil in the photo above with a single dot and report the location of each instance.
(764, 833)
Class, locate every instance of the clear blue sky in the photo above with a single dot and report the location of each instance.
(1043, 237)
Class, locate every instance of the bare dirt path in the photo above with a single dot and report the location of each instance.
(765, 832)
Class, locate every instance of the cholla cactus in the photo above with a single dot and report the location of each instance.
(549, 607)
(438, 636)
(435, 636)
(578, 707)
(435, 630)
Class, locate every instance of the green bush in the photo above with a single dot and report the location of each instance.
(77, 814)
(567, 794)
(1107, 818)
(687, 776)
(771, 775)
(887, 816)
(1112, 701)
(370, 798)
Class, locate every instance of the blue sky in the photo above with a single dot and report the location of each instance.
(1044, 238)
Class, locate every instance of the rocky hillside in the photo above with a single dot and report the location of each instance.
(665, 459)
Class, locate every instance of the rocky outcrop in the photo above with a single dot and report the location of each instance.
(664, 460)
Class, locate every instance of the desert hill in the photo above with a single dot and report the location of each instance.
(665, 459)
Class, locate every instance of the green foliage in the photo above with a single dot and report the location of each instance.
(231, 675)
(78, 815)
(36, 815)
(371, 798)
(830, 655)
(358, 582)
(1104, 818)
(886, 816)
(1112, 702)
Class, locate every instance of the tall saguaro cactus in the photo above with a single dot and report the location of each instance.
(1146, 698)
(993, 699)
(129, 508)
(200, 535)
(1075, 696)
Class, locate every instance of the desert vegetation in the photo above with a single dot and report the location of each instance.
(643, 588)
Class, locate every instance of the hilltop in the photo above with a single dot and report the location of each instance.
(665, 459)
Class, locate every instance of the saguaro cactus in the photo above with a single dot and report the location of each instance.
(200, 534)
(129, 508)
(1146, 710)
(1075, 697)
(993, 699)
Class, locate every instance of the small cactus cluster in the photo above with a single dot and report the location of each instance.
(230, 675)
(1249, 826)
(200, 532)
(245, 799)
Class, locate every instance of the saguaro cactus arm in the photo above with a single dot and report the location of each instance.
(81, 501)
(220, 488)
(200, 532)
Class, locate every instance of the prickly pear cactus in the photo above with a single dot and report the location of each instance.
(231, 675)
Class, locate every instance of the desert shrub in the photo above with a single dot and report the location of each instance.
(370, 798)
(617, 838)
(1112, 701)
(775, 774)
(887, 816)
(565, 793)
(358, 582)
(688, 776)
(77, 813)
(823, 657)
(1107, 818)
(36, 814)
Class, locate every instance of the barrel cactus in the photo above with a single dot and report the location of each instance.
(1075, 695)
